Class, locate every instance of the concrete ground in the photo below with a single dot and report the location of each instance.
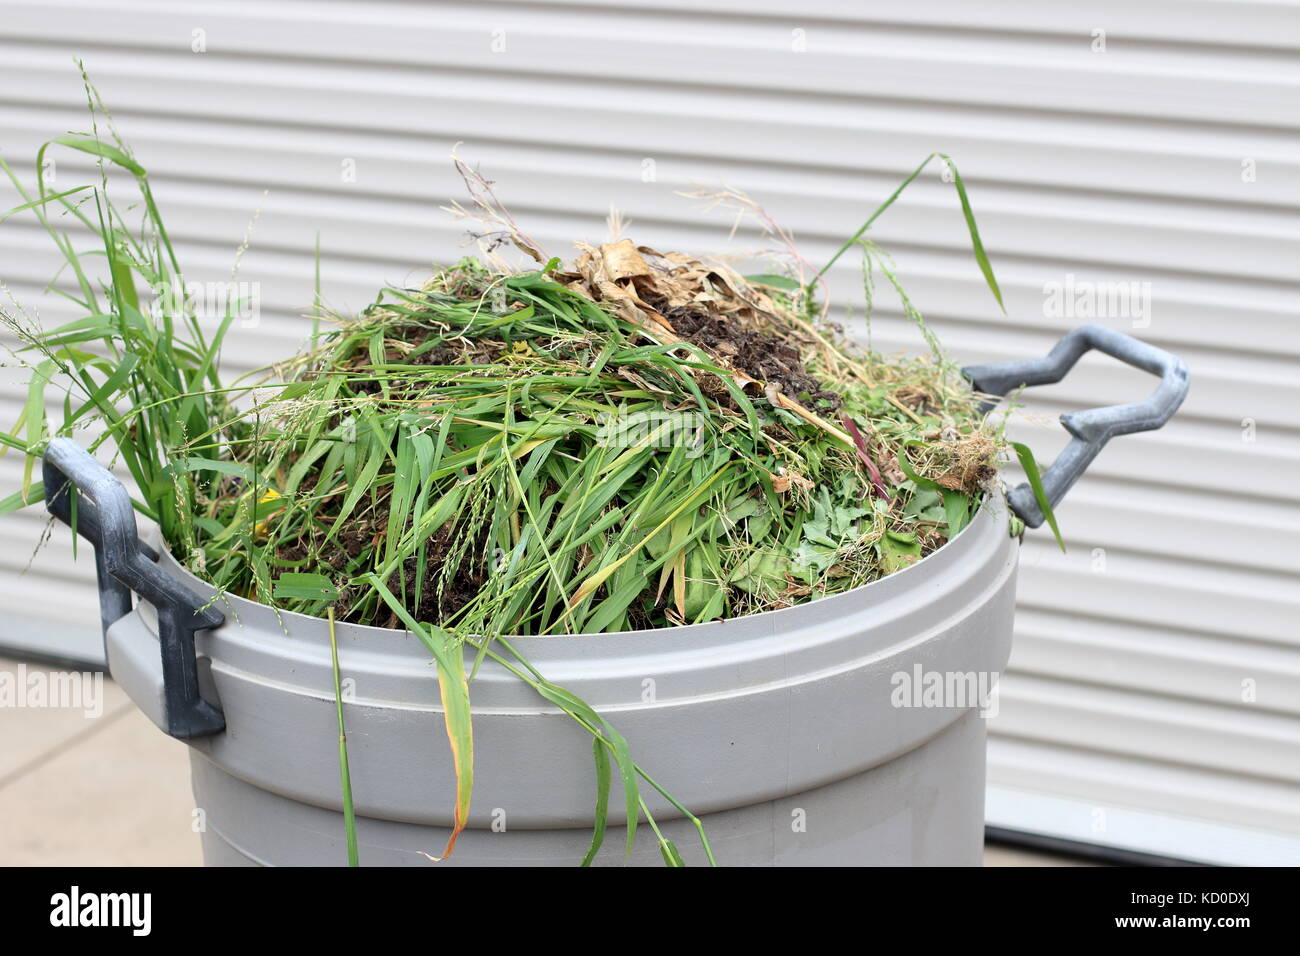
(112, 790)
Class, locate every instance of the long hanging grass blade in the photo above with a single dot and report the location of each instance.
(447, 653)
(1035, 479)
(345, 775)
(616, 741)
(603, 780)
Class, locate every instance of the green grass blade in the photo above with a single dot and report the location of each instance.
(603, 780)
(345, 775)
(450, 659)
(1030, 466)
(32, 204)
(852, 240)
(88, 144)
(977, 245)
(670, 853)
(22, 498)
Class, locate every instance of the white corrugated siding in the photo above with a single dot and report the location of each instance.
(1125, 704)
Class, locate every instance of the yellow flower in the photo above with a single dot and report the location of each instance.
(264, 525)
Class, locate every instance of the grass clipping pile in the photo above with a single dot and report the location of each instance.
(640, 440)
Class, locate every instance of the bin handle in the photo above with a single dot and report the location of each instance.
(1095, 426)
(124, 563)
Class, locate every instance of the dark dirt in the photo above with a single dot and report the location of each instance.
(360, 536)
(476, 352)
(764, 357)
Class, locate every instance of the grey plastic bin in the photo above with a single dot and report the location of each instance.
(782, 730)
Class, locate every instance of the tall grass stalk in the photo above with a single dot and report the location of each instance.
(345, 774)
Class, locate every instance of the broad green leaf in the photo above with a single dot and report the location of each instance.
(956, 506)
(899, 550)
(236, 468)
(309, 587)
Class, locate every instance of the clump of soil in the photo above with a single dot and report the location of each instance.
(440, 596)
(765, 357)
(965, 460)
